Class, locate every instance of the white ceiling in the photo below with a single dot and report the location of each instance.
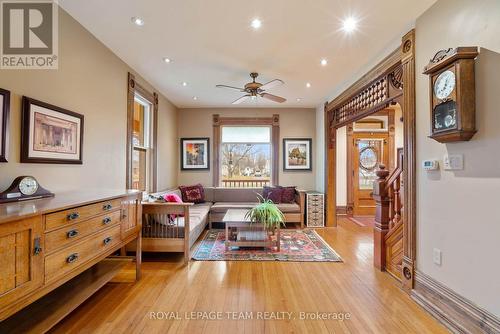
(211, 42)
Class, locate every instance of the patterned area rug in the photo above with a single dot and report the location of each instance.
(296, 245)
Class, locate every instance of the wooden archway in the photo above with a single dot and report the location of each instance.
(391, 81)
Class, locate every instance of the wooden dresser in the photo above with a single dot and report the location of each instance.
(48, 245)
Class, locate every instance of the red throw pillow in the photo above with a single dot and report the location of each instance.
(288, 195)
(173, 198)
(273, 193)
(193, 194)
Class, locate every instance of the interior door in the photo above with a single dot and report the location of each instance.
(369, 151)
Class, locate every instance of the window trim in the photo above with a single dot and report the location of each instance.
(273, 121)
(134, 88)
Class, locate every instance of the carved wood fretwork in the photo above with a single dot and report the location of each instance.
(376, 95)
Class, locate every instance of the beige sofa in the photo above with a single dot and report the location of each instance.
(164, 224)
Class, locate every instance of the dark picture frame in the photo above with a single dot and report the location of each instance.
(307, 142)
(29, 131)
(4, 124)
(184, 154)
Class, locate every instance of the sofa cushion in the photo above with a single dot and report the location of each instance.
(192, 194)
(288, 195)
(289, 207)
(273, 193)
(236, 194)
(221, 207)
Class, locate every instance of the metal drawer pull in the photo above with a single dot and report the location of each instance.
(37, 249)
(107, 207)
(107, 240)
(72, 233)
(73, 216)
(72, 258)
(106, 220)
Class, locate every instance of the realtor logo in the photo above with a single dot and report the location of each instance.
(29, 34)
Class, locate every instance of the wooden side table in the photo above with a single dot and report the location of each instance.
(235, 219)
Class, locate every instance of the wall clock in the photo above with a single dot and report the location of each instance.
(452, 94)
(24, 188)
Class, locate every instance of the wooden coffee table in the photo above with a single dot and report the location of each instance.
(236, 222)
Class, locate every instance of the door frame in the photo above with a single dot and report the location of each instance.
(391, 130)
(395, 72)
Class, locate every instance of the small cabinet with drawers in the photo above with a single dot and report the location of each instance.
(48, 242)
(315, 210)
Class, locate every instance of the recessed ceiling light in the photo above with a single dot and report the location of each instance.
(138, 21)
(167, 60)
(195, 98)
(299, 99)
(256, 24)
(349, 24)
(184, 83)
(324, 62)
(308, 85)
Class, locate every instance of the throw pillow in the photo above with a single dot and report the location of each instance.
(173, 198)
(288, 195)
(272, 193)
(193, 194)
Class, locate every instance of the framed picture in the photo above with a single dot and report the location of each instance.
(4, 124)
(50, 134)
(195, 153)
(297, 154)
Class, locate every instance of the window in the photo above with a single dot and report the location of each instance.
(142, 111)
(141, 148)
(246, 156)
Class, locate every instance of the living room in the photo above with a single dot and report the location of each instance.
(263, 167)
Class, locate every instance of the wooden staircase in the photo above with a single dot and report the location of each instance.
(389, 219)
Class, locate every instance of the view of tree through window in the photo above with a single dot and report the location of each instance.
(245, 156)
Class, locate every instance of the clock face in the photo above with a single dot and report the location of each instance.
(444, 85)
(28, 186)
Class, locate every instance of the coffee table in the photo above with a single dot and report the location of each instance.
(236, 222)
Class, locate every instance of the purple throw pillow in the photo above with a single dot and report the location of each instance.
(273, 193)
(288, 195)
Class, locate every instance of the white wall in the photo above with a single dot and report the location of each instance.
(456, 211)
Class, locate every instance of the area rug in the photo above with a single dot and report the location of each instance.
(296, 245)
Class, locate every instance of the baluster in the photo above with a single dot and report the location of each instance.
(397, 202)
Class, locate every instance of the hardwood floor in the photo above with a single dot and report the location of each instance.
(372, 298)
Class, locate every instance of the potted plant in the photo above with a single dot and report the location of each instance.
(267, 214)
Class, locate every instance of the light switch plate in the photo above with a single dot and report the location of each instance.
(436, 256)
(453, 162)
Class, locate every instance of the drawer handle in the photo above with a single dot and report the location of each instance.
(107, 207)
(106, 221)
(107, 240)
(37, 249)
(73, 216)
(72, 233)
(72, 258)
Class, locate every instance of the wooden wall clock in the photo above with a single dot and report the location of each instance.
(452, 94)
(24, 188)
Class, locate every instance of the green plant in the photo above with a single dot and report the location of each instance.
(266, 213)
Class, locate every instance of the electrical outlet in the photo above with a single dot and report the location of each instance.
(436, 256)
(453, 162)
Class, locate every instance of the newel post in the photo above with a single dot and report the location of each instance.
(382, 201)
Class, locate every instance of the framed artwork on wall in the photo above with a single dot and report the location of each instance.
(50, 134)
(297, 154)
(4, 124)
(195, 154)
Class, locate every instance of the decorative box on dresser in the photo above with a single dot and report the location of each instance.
(54, 253)
(315, 209)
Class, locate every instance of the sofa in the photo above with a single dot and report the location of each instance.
(165, 224)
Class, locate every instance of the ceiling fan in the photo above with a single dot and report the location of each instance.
(254, 89)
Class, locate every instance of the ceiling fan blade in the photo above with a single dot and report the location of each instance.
(272, 84)
(241, 99)
(272, 97)
(230, 87)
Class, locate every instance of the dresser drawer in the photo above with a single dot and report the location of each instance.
(78, 214)
(70, 258)
(74, 232)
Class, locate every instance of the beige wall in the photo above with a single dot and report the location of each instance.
(92, 81)
(294, 123)
(456, 211)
